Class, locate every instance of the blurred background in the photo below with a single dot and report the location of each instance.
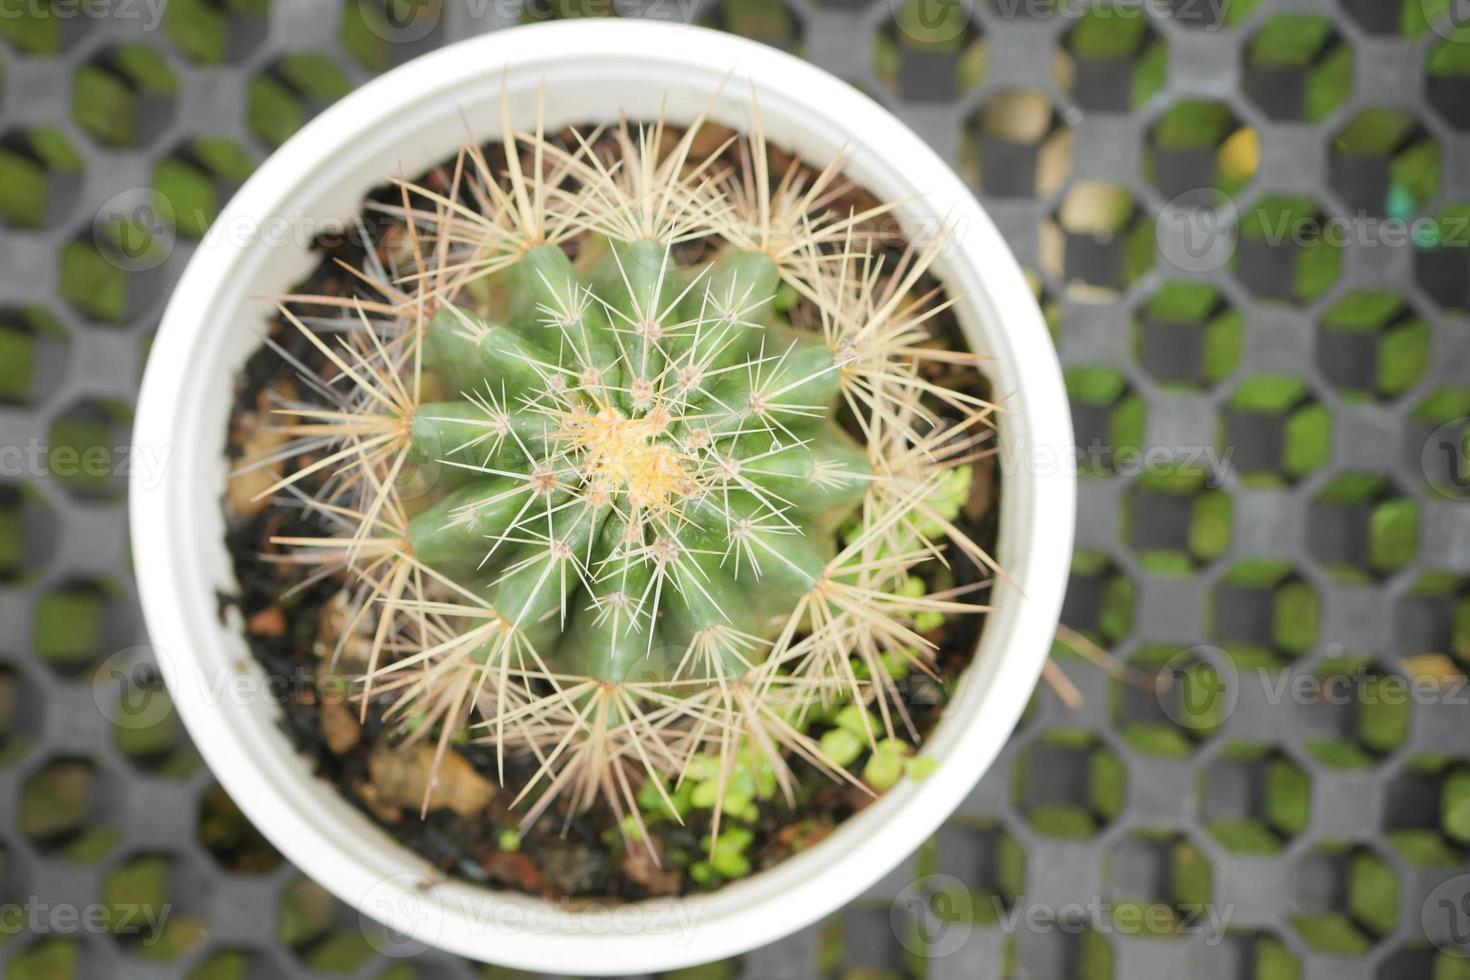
(1248, 224)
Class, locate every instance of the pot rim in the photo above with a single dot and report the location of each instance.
(335, 844)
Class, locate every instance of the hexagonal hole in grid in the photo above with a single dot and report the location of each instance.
(990, 862)
(1172, 700)
(1344, 899)
(124, 97)
(34, 348)
(379, 34)
(1396, 18)
(1426, 815)
(1067, 948)
(1437, 441)
(1442, 257)
(1275, 431)
(929, 52)
(108, 275)
(767, 21)
(1187, 336)
(1448, 78)
(1068, 784)
(291, 91)
(197, 178)
(79, 621)
(61, 958)
(1109, 418)
(861, 941)
(145, 725)
(1114, 60)
(1384, 164)
(1098, 241)
(64, 810)
(238, 964)
(212, 32)
(1177, 518)
(319, 931)
(1284, 250)
(27, 532)
(231, 839)
(1100, 597)
(1263, 612)
(1373, 345)
(147, 899)
(1432, 624)
(1158, 883)
(22, 710)
(1254, 799)
(1241, 955)
(1362, 527)
(40, 176)
(1017, 146)
(1351, 713)
(88, 452)
(1212, 14)
(1298, 68)
(1197, 144)
(49, 27)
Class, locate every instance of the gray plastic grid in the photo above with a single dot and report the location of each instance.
(1143, 827)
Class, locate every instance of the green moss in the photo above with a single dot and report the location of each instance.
(93, 283)
(1289, 41)
(1297, 617)
(1288, 798)
(1393, 534)
(24, 191)
(190, 194)
(1383, 718)
(1245, 836)
(1455, 806)
(1307, 440)
(1101, 35)
(275, 112)
(1373, 893)
(1425, 848)
(1150, 75)
(69, 625)
(1332, 933)
(17, 362)
(50, 959)
(1157, 740)
(103, 105)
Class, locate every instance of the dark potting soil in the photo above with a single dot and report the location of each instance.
(564, 855)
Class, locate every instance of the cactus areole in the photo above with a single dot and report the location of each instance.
(633, 461)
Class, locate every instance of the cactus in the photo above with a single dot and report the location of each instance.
(627, 460)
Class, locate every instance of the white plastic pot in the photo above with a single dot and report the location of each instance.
(407, 121)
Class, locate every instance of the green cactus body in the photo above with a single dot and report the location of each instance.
(660, 423)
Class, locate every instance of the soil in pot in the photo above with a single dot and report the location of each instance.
(463, 821)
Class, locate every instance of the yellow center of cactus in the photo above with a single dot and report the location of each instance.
(621, 454)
